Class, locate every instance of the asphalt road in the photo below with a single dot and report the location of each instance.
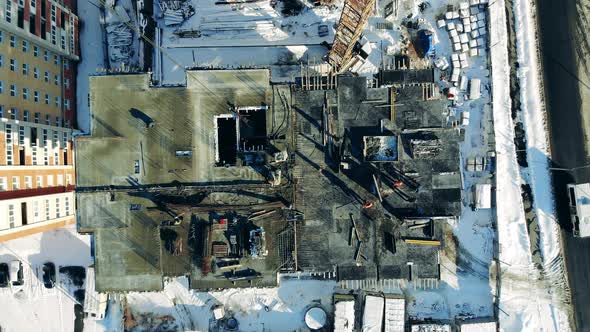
(566, 51)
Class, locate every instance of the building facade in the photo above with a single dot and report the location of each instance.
(38, 55)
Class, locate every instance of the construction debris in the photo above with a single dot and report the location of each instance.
(175, 12)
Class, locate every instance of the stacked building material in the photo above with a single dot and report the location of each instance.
(175, 12)
(467, 29)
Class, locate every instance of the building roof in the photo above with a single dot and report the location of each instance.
(406, 76)
(478, 327)
(134, 124)
(582, 193)
(151, 158)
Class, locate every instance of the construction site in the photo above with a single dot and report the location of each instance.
(355, 168)
(231, 180)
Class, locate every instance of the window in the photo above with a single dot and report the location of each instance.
(1, 111)
(52, 13)
(47, 209)
(56, 80)
(68, 179)
(36, 96)
(25, 69)
(46, 56)
(25, 46)
(67, 199)
(3, 184)
(1, 60)
(33, 3)
(11, 206)
(26, 115)
(66, 103)
(57, 101)
(28, 182)
(36, 73)
(8, 14)
(13, 92)
(39, 181)
(50, 180)
(55, 59)
(1, 87)
(56, 162)
(34, 147)
(1, 37)
(35, 49)
(44, 137)
(64, 140)
(57, 123)
(12, 37)
(13, 113)
(66, 82)
(46, 76)
(55, 139)
(53, 35)
(25, 93)
(66, 64)
(37, 116)
(36, 214)
(60, 179)
(46, 99)
(57, 212)
(47, 121)
(8, 140)
(15, 183)
(21, 135)
(12, 64)
(63, 42)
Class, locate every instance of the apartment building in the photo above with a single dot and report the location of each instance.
(38, 55)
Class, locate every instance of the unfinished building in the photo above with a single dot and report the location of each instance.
(230, 180)
(379, 172)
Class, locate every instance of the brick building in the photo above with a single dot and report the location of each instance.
(38, 54)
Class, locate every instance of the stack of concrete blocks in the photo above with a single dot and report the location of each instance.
(467, 30)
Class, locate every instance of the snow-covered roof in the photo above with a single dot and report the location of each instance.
(582, 196)
(344, 316)
(95, 304)
(395, 315)
(483, 196)
(478, 327)
(373, 314)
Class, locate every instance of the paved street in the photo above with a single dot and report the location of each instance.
(565, 52)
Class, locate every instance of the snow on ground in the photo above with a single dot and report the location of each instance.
(277, 40)
(193, 310)
(32, 307)
(252, 24)
(525, 305)
(536, 134)
(281, 59)
(91, 58)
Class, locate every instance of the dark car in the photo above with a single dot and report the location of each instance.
(4, 277)
(49, 275)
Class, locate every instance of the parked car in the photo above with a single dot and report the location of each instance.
(4, 275)
(49, 274)
(16, 273)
